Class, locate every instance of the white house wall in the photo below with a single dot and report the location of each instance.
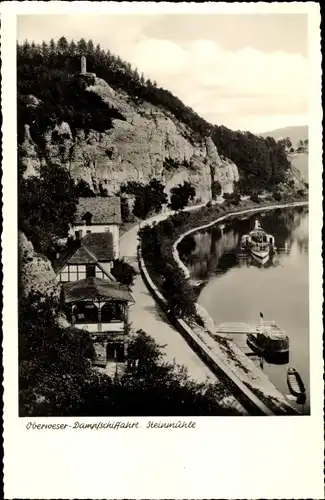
(72, 272)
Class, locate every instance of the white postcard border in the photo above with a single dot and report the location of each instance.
(251, 457)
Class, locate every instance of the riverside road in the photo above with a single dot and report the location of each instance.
(146, 315)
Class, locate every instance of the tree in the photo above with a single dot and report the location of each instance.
(123, 272)
(144, 355)
(90, 48)
(262, 162)
(140, 207)
(102, 191)
(45, 50)
(83, 190)
(62, 45)
(148, 197)
(277, 196)
(56, 379)
(155, 195)
(232, 198)
(82, 47)
(255, 198)
(52, 47)
(47, 206)
(178, 292)
(288, 143)
(181, 195)
(53, 360)
(216, 189)
(72, 48)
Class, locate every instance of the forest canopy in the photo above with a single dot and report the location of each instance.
(262, 163)
(49, 73)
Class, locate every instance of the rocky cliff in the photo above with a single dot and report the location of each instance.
(36, 272)
(135, 148)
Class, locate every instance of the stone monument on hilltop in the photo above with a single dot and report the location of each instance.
(83, 65)
(89, 76)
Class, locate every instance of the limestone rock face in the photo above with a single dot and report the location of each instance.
(29, 152)
(36, 272)
(134, 149)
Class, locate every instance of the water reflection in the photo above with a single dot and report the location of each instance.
(216, 250)
(236, 287)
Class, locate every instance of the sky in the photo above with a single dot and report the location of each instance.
(244, 71)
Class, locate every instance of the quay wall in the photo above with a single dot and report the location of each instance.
(245, 395)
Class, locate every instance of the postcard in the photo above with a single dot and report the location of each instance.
(162, 279)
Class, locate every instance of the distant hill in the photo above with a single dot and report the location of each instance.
(295, 134)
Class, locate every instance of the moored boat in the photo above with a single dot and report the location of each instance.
(260, 250)
(258, 242)
(270, 342)
(295, 384)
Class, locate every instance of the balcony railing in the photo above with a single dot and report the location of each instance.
(115, 326)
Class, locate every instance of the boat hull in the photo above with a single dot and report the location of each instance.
(260, 260)
(260, 254)
(271, 355)
(295, 384)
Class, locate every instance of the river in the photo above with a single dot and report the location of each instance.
(237, 288)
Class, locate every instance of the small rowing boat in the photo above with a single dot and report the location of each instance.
(295, 383)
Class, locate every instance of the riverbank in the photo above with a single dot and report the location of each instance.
(200, 322)
(265, 206)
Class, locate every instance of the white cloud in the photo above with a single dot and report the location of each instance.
(243, 88)
(160, 57)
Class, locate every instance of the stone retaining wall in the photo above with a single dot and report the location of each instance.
(251, 402)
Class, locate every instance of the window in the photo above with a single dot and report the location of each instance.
(64, 277)
(90, 271)
(73, 273)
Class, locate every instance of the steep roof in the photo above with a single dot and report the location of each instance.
(94, 247)
(100, 245)
(95, 288)
(103, 210)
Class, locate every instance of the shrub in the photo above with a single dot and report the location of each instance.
(123, 272)
(148, 197)
(216, 189)
(83, 190)
(277, 196)
(232, 198)
(255, 198)
(301, 193)
(178, 292)
(181, 195)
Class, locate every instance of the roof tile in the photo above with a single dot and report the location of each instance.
(95, 288)
(104, 210)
